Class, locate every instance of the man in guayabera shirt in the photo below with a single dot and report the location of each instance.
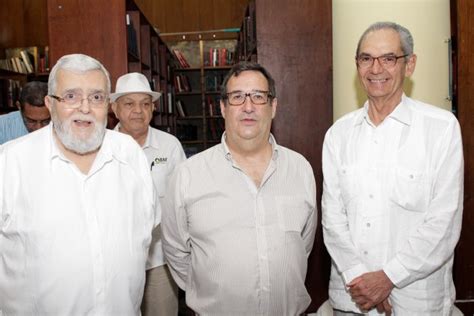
(77, 206)
(239, 218)
(393, 190)
(133, 105)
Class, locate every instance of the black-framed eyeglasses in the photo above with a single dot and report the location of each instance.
(256, 97)
(386, 61)
(73, 100)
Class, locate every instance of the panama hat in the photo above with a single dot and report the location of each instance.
(133, 82)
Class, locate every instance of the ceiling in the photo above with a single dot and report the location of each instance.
(177, 16)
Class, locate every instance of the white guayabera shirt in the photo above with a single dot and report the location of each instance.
(73, 244)
(392, 200)
(239, 249)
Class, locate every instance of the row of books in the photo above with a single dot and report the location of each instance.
(9, 93)
(215, 130)
(214, 81)
(218, 57)
(132, 41)
(183, 63)
(212, 104)
(182, 83)
(26, 60)
(248, 35)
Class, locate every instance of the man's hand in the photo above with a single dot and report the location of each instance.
(370, 290)
(384, 307)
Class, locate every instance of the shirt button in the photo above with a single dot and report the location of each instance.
(411, 176)
(368, 224)
(371, 196)
(366, 252)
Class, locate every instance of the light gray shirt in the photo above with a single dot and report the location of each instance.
(235, 248)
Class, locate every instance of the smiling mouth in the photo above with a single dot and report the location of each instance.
(378, 80)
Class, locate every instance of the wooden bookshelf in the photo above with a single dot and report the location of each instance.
(119, 35)
(197, 90)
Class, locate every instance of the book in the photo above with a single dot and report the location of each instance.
(181, 59)
(26, 59)
(29, 58)
(179, 107)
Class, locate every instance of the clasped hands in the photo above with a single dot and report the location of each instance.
(371, 290)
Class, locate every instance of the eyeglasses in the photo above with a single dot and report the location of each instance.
(74, 100)
(257, 97)
(386, 61)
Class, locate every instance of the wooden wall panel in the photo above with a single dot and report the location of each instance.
(67, 18)
(464, 258)
(23, 23)
(294, 43)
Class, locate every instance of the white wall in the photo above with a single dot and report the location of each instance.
(429, 23)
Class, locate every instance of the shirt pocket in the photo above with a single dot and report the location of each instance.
(410, 189)
(348, 184)
(293, 213)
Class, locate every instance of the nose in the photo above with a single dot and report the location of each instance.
(137, 108)
(377, 66)
(248, 105)
(85, 106)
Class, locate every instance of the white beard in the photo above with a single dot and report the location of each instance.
(71, 141)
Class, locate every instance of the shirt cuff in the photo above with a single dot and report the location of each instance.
(397, 273)
(354, 272)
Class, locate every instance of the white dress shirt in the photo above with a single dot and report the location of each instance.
(392, 200)
(163, 152)
(235, 248)
(73, 244)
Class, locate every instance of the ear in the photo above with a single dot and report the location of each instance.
(49, 103)
(274, 107)
(222, 103)
(114, 106)
(410, 65)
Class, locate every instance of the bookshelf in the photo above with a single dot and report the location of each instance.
(19, 65)
(203, 66)
(118, 34)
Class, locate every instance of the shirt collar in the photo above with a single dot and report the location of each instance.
(228, 154)
(401, 113)
(147, 140)
(105, 154)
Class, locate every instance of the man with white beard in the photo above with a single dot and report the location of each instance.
(77, 206)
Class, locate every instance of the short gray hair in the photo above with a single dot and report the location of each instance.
(77, 63)
(406, 39)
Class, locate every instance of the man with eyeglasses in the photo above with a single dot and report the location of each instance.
(77, 206)
(393, 190)
(31, 114)
(239, 218)
(133, 105)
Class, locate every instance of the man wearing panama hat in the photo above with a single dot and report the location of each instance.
(133, 106)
